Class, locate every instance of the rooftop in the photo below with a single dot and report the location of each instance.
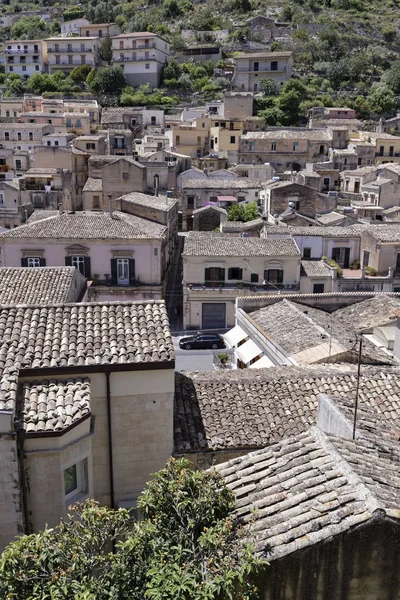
(330, 218)
(158, 202)
(226, 245)
(252, 408)
(93, 185)
(51, 406)
(375, 311)
(311, 487)
(235, 183)
(252, 55)
(289, 134)
(346, 232)
(315, 268)
(35, 285)
(385, 232)
(89, 225)
(68, 336)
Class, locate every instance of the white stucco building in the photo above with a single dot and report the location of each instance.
(25, 57)
(141, 55)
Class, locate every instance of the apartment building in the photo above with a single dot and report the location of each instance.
(25, 57)
(225, 136)
(251, 67)
(387, 146)
(191, 138)
(64, 54)
(141, 55)
(73, 26)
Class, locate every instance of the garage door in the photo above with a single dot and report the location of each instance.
(213, 315)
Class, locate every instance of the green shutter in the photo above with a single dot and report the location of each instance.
(206, 275)
(222, 274)
(280, 276)
(240, 274)
(68, 261)
(229, 273)
(24, 262)
(131, 271)
(42, 262)
(87, 267)
(114, 271)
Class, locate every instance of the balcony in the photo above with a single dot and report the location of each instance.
(261, 69)
(216, 286)
(65, 63)
(25, 51)
(137, 47)
(68, 50)
(132, 59)
(387, 155)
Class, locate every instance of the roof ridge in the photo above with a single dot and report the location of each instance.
(362, 489)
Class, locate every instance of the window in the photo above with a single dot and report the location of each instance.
(90, 146)
(79, 263)
(36, 67)
(307, 253)
(34, 262)
(235, 273)
(30, 134)
(273, 276)
(366, 255)
(295, 146)
(7, 113)
(214, 276)
(147, 66)
(274, 65)
(318, 288)
(125, 175)
(233, 139)
(273, 146)
(96, 201)
(75, 479)
(256, 66)
(18, 164)
(190, 202)
(178, 140)
(199, 140)
(48, 143)
(19, 136)
(11, 68)
(254, 278)
(7, 136)
(1, 199)
(23, 68)
(56, 143)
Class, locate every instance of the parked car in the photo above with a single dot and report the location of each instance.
(202, 341)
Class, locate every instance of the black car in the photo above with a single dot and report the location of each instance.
(202, 341)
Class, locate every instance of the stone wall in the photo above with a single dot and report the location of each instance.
(11, 516)
(207, 220)
(361, 564)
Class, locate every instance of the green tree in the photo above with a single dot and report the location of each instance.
(73, 13)
(106, 49)
(110, 80)
(243, 212)
(391, 78)
(187, 545)
(28, 28)
(268, 86)
(14, 85)
(79, 74)
(381, 100)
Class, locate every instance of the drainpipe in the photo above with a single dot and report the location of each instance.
(21, 467)
(110, 442)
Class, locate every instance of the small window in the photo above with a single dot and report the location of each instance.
(318, 288)
(23, 68)
(33, 262)
(7, 136)
(274, 65)
(295, 146)
(147, 66)
(233, 139)
(30, 136)
(254, 278)
(235, 273)
(56, 143)
(366, 255)
(125, 175)
(48, 143)
(190, 202)
(19, 136)
(18, 164)
(96, 201)
(75, 479)
(79, 263)
(1, 199)
(273, 146)
(307, 253)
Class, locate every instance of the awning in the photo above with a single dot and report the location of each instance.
(226, 199)
(248, 351)
(262, 363)
(234, 336)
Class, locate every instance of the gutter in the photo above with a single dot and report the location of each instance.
(110, 440)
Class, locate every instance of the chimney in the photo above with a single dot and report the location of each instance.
(331, 420)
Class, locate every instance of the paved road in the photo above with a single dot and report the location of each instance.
(192, 360)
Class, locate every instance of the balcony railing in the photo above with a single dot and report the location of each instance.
(132, 59)
(71, 64)
(388, 154)
(260, 69)
(243, 285)
(137, 47)
(26, 51)
(66, 50)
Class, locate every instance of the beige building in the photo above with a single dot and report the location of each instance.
(67, 53)
(92, 408)
(191, 139)
(253, 66)
(380, 250)
(141, 55)
(100, 30)
(285, 149)
(23, 136)
(387, 146)
(217, 268)
(25, 57)
(122, 254)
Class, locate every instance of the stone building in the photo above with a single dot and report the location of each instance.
(87, 388)
(253, 66)
(278, 196)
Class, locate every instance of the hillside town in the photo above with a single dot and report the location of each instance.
(192, 282)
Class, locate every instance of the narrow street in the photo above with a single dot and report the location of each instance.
(173, 292)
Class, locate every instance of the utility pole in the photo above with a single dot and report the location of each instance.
(358, 386)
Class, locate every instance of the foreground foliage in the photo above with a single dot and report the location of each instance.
(187, 545)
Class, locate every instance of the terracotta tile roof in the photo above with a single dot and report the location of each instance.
(75, 335)
(247, 410)
(216, 184)
(385, 232)
(289, 134)
(230, 245)
(93, 185)
(310, 335)
(315, 268)
(159, 202)
(54, 405)
(308, 488)
(89, 225)
(39, 285)
(375, 311)
(330, 218)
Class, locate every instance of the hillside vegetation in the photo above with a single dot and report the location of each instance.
(346, 51)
